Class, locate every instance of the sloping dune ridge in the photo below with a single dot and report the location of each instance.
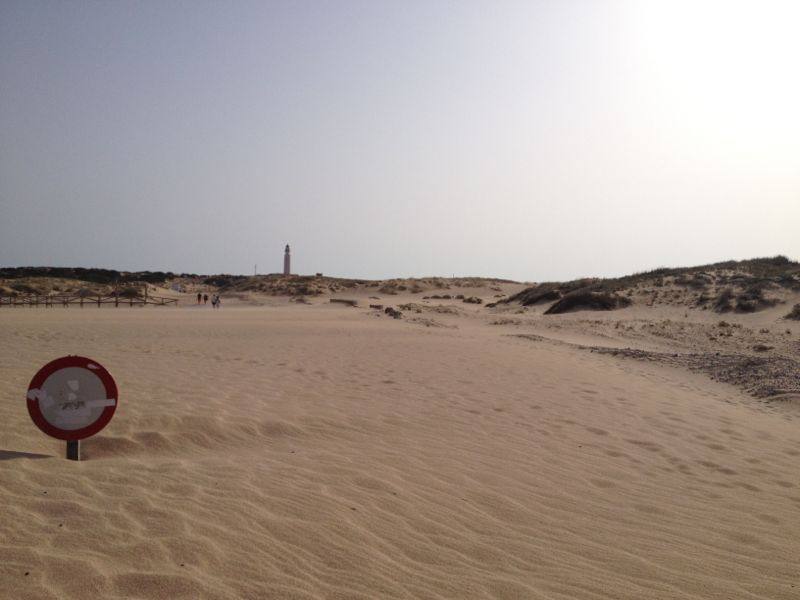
(322, 451)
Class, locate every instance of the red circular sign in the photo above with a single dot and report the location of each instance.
(72, 398)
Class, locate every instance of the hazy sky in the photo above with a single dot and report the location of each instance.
(529, 140)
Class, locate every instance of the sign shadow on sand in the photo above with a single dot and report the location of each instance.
(11, 455)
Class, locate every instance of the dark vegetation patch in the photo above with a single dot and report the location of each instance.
(586, 300)
(753, 299)
(794, 314)
(763, 375)
(777, 270)
(695, 281)
(760, 376)
(102, 276)
(546, 292)
(223, 281)
(787, 280)
(24, 288)
(749, 278)
(702, 300)
(724, 301)
(281, 285)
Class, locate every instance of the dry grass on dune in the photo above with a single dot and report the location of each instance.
(740, 286)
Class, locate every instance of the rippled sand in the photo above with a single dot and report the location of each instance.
(323, 452)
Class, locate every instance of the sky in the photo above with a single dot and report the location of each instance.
(526, 140)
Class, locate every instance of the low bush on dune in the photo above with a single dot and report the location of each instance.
(794, 315)
(788, 281)
(587, 300)
(757, 271)
(223, 281)
(696, 281)
(753, 299)
(723, 287)
(724, 301)
(24, 288)
(550, 291)
(536, 295)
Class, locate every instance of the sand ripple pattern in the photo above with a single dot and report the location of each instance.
(306, 453)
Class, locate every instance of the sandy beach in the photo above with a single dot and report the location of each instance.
(399, 300)
(322, 451)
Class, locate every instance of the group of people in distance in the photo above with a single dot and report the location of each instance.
(216, 301)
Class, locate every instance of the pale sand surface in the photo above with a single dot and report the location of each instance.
(292, 451)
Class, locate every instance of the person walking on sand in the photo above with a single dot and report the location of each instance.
(205, 298)
(199, 297)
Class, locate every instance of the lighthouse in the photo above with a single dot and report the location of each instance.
(287, 261)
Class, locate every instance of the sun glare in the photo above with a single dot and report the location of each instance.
(724, 66)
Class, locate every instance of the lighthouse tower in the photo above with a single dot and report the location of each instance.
(287, 261)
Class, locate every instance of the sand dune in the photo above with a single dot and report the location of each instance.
(322, 451)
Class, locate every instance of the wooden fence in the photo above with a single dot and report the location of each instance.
(64, 300)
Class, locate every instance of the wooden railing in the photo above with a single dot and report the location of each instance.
(66, 300)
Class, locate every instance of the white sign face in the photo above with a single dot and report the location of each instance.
(71, 398)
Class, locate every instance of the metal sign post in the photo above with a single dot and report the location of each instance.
(73, 449)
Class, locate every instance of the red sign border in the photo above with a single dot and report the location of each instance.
(63, 363)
